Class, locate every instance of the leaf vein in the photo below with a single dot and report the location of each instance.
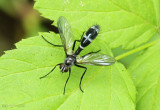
(124, 83)
(132, 13)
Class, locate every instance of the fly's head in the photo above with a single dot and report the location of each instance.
(64, 68)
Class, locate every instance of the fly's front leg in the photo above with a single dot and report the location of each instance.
(51, 43)
(50, 71)
(67, 80)
(82, 75)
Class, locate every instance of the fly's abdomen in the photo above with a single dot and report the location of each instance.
(90, 35)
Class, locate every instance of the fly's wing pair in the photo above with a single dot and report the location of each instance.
(66, 35)
(96, 59)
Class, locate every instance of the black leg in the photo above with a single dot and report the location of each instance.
(67, 80)
(49, 72)
(51, 43)
(82, 75)
(91, 53)
(77, 41)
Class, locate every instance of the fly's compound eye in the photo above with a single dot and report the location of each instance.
(66, 69)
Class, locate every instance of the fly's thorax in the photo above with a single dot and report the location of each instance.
(70, 60)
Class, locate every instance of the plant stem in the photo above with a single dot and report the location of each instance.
(136, 50)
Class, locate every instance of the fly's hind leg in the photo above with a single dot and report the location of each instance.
(77, 41)
(67, 80)
(91, 53)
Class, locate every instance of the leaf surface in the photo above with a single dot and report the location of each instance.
(146, 74)
(105, 87)
(126, 23)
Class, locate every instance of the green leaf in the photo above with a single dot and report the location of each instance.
(105, 87)
(126, 23)
(146, 74)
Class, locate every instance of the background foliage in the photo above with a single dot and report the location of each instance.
(126, 27)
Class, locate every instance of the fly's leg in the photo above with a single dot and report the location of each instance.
(51, 43)
(82, 75)
(67, 80)
(77, 41)
(91, 53)
(49, 72)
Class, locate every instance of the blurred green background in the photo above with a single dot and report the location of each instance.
(19, 20)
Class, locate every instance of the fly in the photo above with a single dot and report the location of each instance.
(92, 58)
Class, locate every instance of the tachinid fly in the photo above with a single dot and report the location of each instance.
(92, 58)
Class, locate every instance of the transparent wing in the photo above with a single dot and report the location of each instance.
(66, 34)
(96, 59)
